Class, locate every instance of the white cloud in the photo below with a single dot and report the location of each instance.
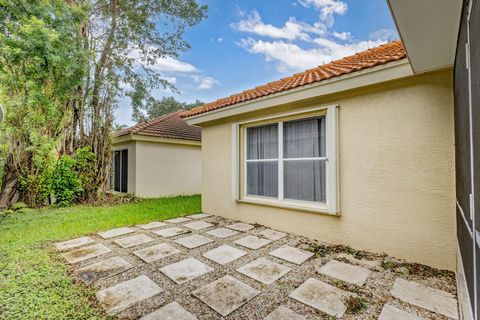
(169, 64)
(220, 40)
(291, 57)
(327, 8)
(383, 34)
(292, 29)
(342, 35)
(204, 83)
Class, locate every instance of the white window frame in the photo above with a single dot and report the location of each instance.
(331, 206)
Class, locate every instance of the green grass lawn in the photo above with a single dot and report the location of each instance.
(34, 281)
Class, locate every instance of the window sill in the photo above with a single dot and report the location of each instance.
(288, 205)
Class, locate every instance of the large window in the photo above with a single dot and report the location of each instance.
(288, 161)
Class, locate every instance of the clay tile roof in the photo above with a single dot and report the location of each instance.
(389, 52)
(170, 125)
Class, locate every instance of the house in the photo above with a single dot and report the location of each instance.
(359, 151)
(161, 157)
(379, 150)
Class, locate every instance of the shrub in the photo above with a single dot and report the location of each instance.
(66, 184)
(86, 166)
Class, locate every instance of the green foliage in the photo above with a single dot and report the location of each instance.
(145, 107)
(73, 178)
(41, 65)
(35, 180)
(66, 184)
(85, 168)
(34, 281)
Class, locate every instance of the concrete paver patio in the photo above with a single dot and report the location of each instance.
(224, 269)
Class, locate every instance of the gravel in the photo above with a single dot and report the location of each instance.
(374, 293)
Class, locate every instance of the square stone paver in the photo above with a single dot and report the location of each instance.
(224, 254)
(264, 270)
(284, 313)
(125, 294)
(240, 226)
(103, 269)
(185, 270)
(345, 272)
(133, 241)
(390, 312)
(321, 296)
(178, 220)
(85, 253)
(155, 253)
(253, 242)
(291, 254)
(152, 225)
(273, 234)
(198, 225)
(74, 243)
(425, 297)
(225, 295)
(193, 241)
(170, 232)
(171, 311)
(222, 233)
(115, 232)
(199, 216)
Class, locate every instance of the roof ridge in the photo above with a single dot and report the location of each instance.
(153, 121)
(143, 125)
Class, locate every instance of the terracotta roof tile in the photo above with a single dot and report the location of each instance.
(170, 125)
(389, 52)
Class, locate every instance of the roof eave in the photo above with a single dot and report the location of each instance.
(428, 29)
(145, 138)
(387, 72)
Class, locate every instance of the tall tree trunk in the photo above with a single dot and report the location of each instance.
(9, 184)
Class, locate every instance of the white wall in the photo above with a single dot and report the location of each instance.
(167, 169)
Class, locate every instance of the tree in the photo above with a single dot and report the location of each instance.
(63, 67)
(152, 108)
(127, 38)
(40, 67)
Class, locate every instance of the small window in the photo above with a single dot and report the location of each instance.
(120, 171)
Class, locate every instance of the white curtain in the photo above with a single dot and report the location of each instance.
(262, 142)
(262, 176)
(304, 138)
(304, 179)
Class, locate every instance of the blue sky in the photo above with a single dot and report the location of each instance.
(246, 43)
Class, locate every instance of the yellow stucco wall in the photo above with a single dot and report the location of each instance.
(396, 163)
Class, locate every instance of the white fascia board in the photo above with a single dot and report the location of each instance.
(135, 137)
(391, 71)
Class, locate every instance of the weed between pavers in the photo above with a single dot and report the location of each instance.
(355, 305)
(322, 250)
(416, 269)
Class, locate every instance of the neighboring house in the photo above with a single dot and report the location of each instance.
(368, 150)
(161, 157)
